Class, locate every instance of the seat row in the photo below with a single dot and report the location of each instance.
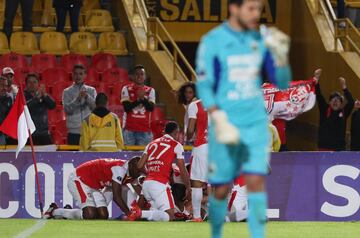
(56, 43)
(40, 62)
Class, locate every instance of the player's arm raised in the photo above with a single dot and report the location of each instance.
(208, 79)
(276, 62)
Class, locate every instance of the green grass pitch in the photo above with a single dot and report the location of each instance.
(116, 229)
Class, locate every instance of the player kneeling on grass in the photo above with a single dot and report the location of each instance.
(157, 160)
(94, 185)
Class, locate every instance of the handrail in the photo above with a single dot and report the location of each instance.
(344, 34)
(157, 35)
(157, 31)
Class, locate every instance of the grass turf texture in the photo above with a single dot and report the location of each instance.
(109, 229)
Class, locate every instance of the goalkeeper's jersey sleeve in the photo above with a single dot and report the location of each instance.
(229, 67)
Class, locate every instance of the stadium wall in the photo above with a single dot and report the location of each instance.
(302, 186)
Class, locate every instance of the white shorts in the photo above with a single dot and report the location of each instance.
(199, 163)
(88, 197)
(158, 195)
(238, 199)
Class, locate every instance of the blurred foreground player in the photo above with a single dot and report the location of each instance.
(158, 158)
(230, 60)
(94, 185)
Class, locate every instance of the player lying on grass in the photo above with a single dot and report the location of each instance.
(230, 60)
(94, 185)
(157, 160)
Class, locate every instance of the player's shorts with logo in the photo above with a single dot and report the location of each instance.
(158, 195)
(250, 156)
(88, 197)
(199, 163)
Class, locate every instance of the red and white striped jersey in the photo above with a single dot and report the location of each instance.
(196, 111)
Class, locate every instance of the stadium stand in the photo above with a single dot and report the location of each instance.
(69, 60)
(4, 44)
(13, 60)
(103, 61)
(24, 43)
(56, 80)
(113, 42)
(21, 73)
(54, 43)
(83, 43)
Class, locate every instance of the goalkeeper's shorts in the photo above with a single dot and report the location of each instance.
(250, 156)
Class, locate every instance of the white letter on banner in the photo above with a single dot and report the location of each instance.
(13, 173)
(341, 190)
(48, 193)
(67, 169)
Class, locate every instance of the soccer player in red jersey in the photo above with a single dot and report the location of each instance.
(197, 128)
(238, 206)
(94, 185)
(157, 160)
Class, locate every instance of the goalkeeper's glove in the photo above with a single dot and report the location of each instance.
(225, 132)
(278, 43)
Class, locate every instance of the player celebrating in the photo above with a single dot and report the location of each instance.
(158, 158)
(93, 185)
(229, 64)
(197, 124)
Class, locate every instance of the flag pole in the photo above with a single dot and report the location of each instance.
(34, 159)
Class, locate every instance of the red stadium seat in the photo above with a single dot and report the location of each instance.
(55, 115)
(118, 109)
(57, 90)
(158, 113)
(115, 75)
(13, 60)
(157, 128)
(55, 75)
(59, 133)
(92, 76)
(103, 61)
(68, 61)
(21, 73)
(41, 62)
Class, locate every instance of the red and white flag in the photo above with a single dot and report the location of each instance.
(18, 122)
(287, 104)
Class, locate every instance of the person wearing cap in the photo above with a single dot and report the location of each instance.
(12, 89)
(39, 102)
(355, 128)
(333, 116)
(5, 106)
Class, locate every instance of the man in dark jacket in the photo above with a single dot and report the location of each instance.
(355, 128)
(38, 102)
(5, 106)
(11, 7)
(333, 116)
(64, 6)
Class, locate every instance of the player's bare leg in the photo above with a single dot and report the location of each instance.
(257, 205)
(89, 213)
(196, 198)
(103, 213)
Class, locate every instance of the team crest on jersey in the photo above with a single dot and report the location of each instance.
(119, 178)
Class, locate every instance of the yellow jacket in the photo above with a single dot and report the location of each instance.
(101, 133)
(275, 139)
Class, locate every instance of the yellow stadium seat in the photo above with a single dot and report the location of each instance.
(53, 43)
(4, 44)
(38, 5)
(24, 43)
(352, 3)
(89, 5)
(83, 43)
(2, 5)
(113, 43)
(99, 21)
(67, 27)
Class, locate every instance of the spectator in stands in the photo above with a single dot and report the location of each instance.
(186, 94)
(139, 101)
(12, 89)
(341, 8)
(5, 105)
(64, 6)
(333, 116)
(101, 130)
(38, 102)
(355, 128)
(78, 101)
(11, 7)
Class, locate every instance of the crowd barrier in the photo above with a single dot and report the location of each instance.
(303, 186)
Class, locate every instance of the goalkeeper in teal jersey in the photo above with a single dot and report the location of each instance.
(231, 62)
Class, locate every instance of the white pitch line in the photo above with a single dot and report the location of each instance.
(28, 232)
